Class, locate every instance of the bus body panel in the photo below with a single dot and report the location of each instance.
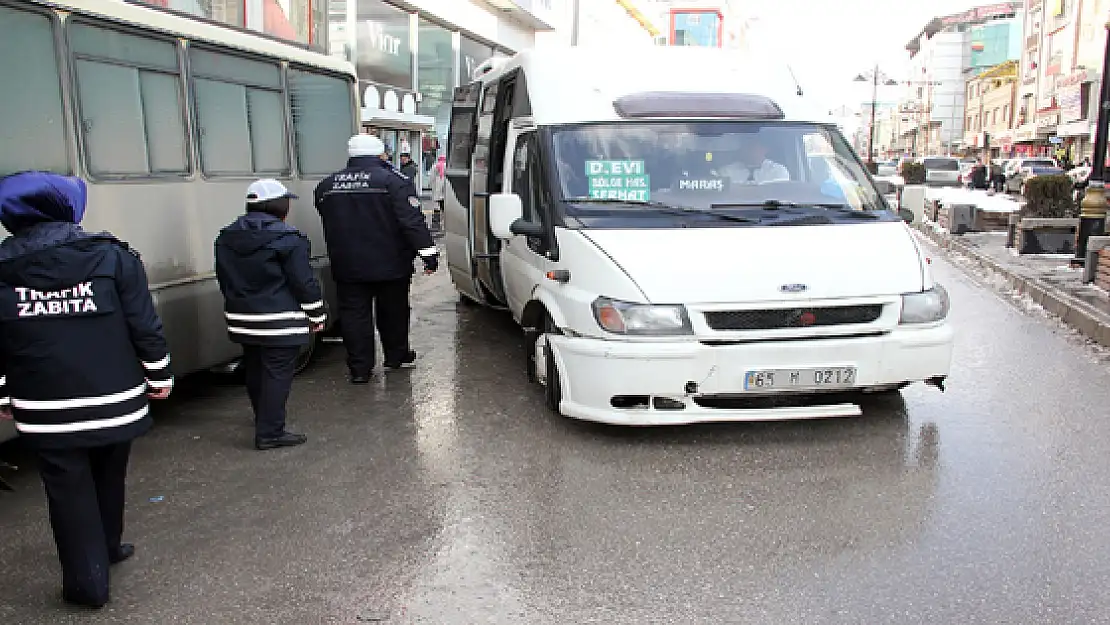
(172, 220)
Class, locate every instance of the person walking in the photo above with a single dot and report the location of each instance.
(409, 167)
(374, 229)
(439, 193)
(81, 351)
(272, 302)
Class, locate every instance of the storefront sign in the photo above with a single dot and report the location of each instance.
(620, 180)
(1069, 95)
(375, 35)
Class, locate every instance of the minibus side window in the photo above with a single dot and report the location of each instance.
(527, 183)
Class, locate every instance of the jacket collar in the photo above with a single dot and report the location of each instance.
(365, 162)
(43, 235)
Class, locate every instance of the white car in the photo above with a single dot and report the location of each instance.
(942, 171)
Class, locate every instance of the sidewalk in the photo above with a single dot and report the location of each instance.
(1046, 280)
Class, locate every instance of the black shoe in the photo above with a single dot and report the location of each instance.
(288, 439)
(360, 379)
(83, 602)
(125, 551)
(409, 361)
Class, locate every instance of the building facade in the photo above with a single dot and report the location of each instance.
(299, 21)
(933, 115)
(990, 102)
(706, 23)
(1077, 89)
(410, 56)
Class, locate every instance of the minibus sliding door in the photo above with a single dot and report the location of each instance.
(488, 177)
(458, 220)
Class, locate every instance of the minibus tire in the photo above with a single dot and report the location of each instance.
(530, 338)
(552, 391)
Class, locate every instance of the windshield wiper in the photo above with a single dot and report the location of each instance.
(777, 204)
(663, 207)
(843, 209)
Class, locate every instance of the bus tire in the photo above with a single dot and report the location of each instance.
(307, 354)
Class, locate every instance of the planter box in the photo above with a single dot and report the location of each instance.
(1047, 236)
(1102, 275)
(988, 221)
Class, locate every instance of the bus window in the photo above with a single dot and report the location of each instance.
(129, 98)
(32, 124)
(323, 121)
(240, 115)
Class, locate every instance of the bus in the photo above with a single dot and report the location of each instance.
(168, 118)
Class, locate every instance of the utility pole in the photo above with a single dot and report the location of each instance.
(876, 74)
(576, 12)
(874, 104)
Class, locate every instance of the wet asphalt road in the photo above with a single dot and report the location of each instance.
(447, 495)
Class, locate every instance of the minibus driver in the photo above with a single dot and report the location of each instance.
(754, 167)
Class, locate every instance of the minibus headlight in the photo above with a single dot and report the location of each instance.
(925, 307)
(641, 319)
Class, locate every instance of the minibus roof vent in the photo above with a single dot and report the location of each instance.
(692, 104)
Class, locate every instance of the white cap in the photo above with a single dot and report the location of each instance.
(265, 190)
(365, 145)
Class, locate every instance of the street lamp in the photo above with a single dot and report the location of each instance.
(874, 78)
(1092, 214)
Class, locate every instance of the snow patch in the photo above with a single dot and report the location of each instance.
(1000, 283)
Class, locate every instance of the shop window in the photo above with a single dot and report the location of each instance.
(224, 11)
(323, 120)
(382, 51)
(435, 80)
(240, 115)
(34, 131)
(129, 103)
(471, 54)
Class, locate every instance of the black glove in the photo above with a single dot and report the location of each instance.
(431, 263)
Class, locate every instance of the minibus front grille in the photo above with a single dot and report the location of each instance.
(779, 318)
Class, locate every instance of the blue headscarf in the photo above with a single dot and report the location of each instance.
(31, 197)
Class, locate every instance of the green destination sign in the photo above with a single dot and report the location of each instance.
(618, 180)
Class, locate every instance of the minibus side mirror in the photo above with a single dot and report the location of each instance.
(505, 209)
(506, 220)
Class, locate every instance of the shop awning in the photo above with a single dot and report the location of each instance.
(396, 120)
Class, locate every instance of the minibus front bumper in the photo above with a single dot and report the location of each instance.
(676, 383)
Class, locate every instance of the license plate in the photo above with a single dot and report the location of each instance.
(800, 379)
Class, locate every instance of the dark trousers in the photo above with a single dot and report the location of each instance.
(358, 304)
(85, 492)
(269, 376)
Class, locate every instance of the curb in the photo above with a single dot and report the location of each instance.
(1073, 312)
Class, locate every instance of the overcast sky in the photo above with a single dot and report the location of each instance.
(828, 42)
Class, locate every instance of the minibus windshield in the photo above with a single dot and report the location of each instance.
(709, 165)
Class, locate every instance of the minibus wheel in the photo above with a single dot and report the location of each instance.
(553, 389)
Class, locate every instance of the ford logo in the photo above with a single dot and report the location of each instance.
(793, 288)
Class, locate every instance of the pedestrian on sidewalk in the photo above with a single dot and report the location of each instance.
(439, 192)
(375, 229)
(81, 351)
(997, 177)
(272, 302)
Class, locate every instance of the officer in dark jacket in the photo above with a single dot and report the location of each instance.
(272, 302)
(82, 349)
(375, 230)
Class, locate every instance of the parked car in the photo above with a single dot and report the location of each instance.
(1015, 168)
(888, 168)
(942, 171)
